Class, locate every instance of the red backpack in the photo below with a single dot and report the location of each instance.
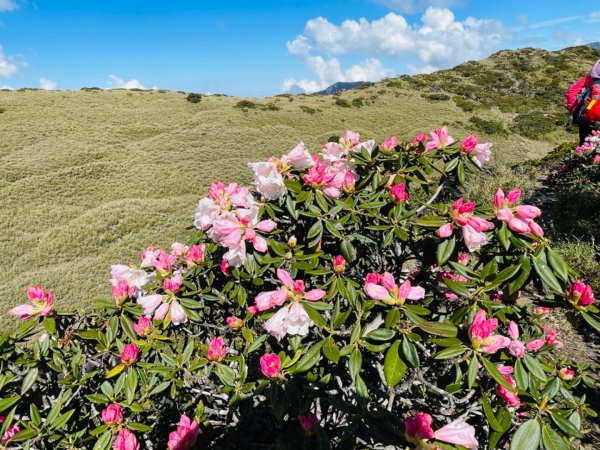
(587, 108)
(591, 113)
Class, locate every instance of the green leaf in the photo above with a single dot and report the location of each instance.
(348, 251)
(534, 368)
(446, 329)
(527, 436)
(115, 371)
(558, 264)
(225, 374)
(29, 380)
(7, 402)
(104, 442)
(355, 363)
(547, 275)
(445, 250)
(472, 371)
(552, 440)
(310, 358)
(131, 385)
(521, 376)
(381, 334)
(410, 352)
(450, 352)
(565, 425)
(331, 350)
(504, 236)
(495, 374)
(139, 427)
(393, 366)
(24, 435)
(62, 420)
(314, 315)
(458, 288)
(489, 414)
(591, 320)
(50, 324)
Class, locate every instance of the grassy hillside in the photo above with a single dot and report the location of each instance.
(88, 178)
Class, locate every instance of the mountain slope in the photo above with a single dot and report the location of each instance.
(88, 178)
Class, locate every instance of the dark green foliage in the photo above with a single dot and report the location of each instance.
(343, 103)
(247, 104)
(436, 97)
(89, 89)
(358, 102)
(192, 97)
(308, 109)
(536, 124)
(465, 105)
(394, 84)
(487, 126)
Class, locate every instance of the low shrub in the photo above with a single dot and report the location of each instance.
(326, 307)
(308, 109)
(465, 105)
(193, 97)
(343, 103)
(487, 126)
(358, 102)
(536, 124)
(436, 97)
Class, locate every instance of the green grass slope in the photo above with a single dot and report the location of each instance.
(88, 178)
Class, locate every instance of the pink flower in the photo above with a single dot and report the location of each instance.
(458, 432)
(535, 345)
(225, 269)
(439, 139)
(42, 303)
(418, 427)
(122, 291)
(9, 433)
(143, 326)
(173, 284)
(298, 157)
(469, 144)
(518, 226)
(308, 422)
(566, 374)
(389, 143)
(398, 193)
(509, 396)
(445, 230)
(339, 264)
(232, 194)
(150, 303)
(387, 291)
(235, 322)
(463, 258)
(472, 226)
(178, 314)
(178, 249)
(421, 137)
(580, 294)
(163, 261)
(185, 436)
(217, 349)
(195, 255)
(112, 414)
(270, 365)
(290, 290)
(596, 159)
(481, 334)
(126, 440)
(551, 338)
(539, 310)
(129, 354)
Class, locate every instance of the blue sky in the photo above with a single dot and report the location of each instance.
(260, 48)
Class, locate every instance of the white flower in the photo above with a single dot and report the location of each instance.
(298, 321)
(178, 314)
(277, 324)
(206, 213)
(268, 180)
(481, 153)
(298, 157)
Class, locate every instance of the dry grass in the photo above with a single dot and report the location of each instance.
(89, 178)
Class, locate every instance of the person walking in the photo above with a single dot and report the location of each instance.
(573, 95)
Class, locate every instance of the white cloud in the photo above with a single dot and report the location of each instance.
(439, 40)
(48, 85)
(5, 87)
(594, 17)
(119, 83)
(8, 5)
(8, 68)
(413, 6)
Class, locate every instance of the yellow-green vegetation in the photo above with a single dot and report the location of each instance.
(88, 178)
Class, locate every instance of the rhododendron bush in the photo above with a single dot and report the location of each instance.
(351, 299)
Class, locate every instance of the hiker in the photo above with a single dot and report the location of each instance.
(575, 99)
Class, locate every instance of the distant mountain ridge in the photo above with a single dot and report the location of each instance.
(595, 45)
(341, 86)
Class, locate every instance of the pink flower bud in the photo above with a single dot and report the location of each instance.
(173, 284)
(518, 226)
(121, 291)
(217, 349)
(143, 326)
(398, 193)
(185, 436)
(535, 345)
(235, 322)
(308, 422)
(418, 427)
(566, 374)
(270, 365)
(339, 264)
(527, 212)
(126, 440)
(195, 255)
(112, 414)
(225, 268)
(580, 294)
(469, 144)
(129, 354)
(445, 230)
